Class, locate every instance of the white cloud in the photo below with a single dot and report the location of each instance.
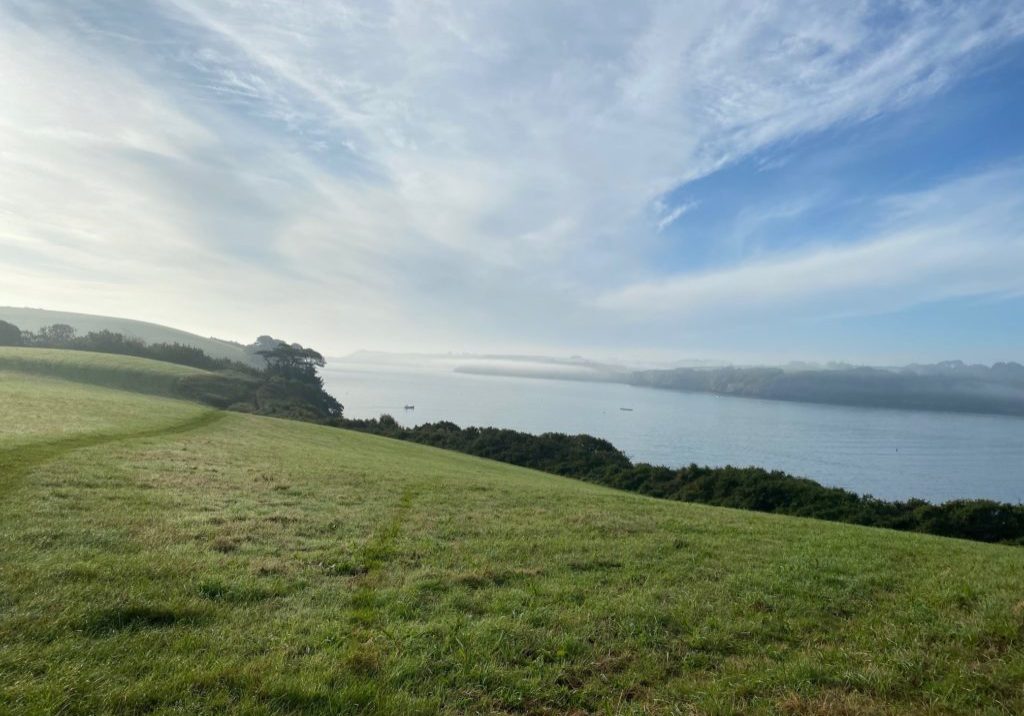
(960, 239)
(499, 123)
(417, 169)
(674, 214)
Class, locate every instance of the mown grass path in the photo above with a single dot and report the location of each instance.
(375, 555)
(16, 462)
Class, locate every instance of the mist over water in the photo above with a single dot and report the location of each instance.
(891, 454)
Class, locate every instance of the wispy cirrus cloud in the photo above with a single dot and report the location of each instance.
(419, 168)
(670, 216)
(962, 238)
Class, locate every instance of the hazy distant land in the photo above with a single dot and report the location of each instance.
(948, 386)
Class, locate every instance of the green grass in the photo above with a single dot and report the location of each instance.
(47, 410)
(164, 558)
(219, 389)
(113, 371)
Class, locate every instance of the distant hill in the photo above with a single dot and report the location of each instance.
(32, 319)
(950, 386)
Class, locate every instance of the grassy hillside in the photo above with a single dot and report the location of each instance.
(112, 371)
(156, 556)
(221, 389)
(42, 411)
(32, 319)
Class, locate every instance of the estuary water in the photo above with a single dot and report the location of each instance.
(891, 454)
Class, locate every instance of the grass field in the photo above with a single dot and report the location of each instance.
(159, 557)
(38, 410)
(112, 371)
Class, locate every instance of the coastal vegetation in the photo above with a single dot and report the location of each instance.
(285, 385)
(160, 556)
(290, 386)
(595, 460)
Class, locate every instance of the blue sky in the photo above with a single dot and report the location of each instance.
(750, 181)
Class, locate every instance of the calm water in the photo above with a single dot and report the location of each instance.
(887, 453)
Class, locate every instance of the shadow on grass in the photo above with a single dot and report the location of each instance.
(240, 593)
(139, 617)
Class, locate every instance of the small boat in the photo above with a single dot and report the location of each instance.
(410, 407)
(628, 410)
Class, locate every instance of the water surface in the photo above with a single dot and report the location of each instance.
(893, 454)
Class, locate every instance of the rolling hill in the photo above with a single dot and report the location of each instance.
(158, 556)
(32, 319)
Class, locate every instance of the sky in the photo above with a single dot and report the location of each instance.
(749, 181)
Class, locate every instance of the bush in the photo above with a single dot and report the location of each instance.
(10, 334)
(750, 488)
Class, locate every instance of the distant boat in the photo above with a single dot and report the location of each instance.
(628, 410)
(410, 407)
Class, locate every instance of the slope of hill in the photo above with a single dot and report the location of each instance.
(113, 371)
(156, 556)
(32, 319)
(38, 410)
(141, 375)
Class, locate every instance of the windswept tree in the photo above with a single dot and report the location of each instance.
(292, 370)
(293, 362)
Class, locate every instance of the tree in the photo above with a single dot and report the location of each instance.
(10, 334)
(59, 334)
(293, 362)
(292, 386)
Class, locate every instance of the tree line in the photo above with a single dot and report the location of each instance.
(61, 335)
